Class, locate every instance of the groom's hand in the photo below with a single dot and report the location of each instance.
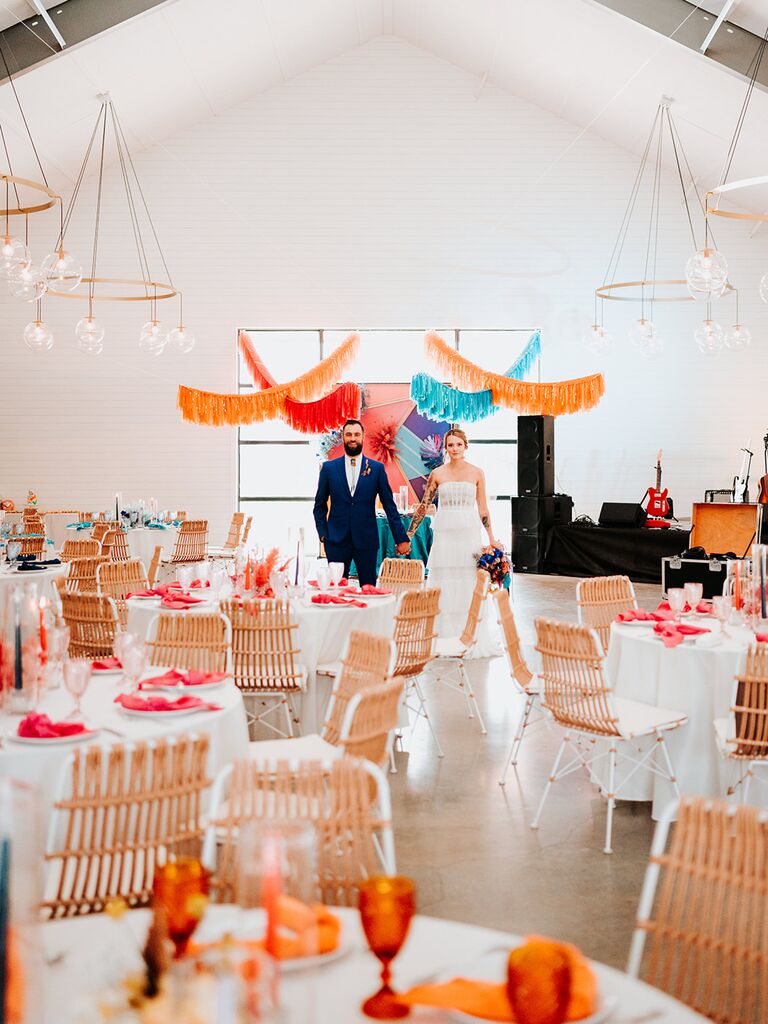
(404, 548)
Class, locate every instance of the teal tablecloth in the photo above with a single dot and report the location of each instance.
(421, 541)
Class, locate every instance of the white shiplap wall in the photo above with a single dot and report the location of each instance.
(376, 189)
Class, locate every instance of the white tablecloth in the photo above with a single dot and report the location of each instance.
(42, 766)
(143, 541)
(322, 634)
(89, 951)
(42, 577)
(693, 678)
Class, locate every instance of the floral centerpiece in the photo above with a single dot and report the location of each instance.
(497, 564)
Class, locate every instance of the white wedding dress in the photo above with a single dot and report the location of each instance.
(457, 540)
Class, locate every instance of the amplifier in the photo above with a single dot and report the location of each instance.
(622, 513)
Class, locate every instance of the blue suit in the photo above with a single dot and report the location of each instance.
(348, 530)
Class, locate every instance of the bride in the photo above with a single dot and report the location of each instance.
(457, 538)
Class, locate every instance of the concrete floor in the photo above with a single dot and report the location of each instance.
(466, 840)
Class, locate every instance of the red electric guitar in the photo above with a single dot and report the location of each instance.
(658, 501)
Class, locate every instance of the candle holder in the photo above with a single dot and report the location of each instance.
(21, 653)
(759, 585)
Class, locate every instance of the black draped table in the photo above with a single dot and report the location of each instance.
(607, 550)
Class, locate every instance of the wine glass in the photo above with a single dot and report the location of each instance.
(13, 550)
(323, 574)
(122, 642)
(77, 676)
(185, 576)
(693, 594)
(134, 661)
(676, 598)
(204, 572)
(181, 888)
(336, 569)
(386, 908)
(57, 646)
(722, 605)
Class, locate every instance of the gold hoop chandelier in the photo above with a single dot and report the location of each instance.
(648, 287)
(147, 287)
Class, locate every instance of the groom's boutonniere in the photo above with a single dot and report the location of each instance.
(366, 468)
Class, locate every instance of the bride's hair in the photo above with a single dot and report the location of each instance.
(456, 433)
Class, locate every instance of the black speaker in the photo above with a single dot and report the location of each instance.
(622, 513)
(536, 455)
(532, 519)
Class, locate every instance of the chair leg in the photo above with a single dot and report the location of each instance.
(471, 698)
(423, 712)
(288, 717)
(745, 787)
(668, 762)
(522, 724)
(611, 798)
(550, 780)
(392, 765)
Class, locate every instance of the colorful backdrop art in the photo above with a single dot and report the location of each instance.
(408, 443)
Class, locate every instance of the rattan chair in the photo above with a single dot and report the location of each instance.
(370, 721)
(246, 530)
(85, 517)
(100, 530)
(448, 667)
(265, 660)
(191, 542)
(227, 550)
(600, 599)
(122, 811)
(31, 546)
(78, 549)
(189, 640)
(115, 545)
(401, 574)
(353, 833)
(118, 579)
(742, 737)
(92, 621)
(82, 574)
(414, 637)
(578, 695)
(526, 683)
(703, 911)
(154, 565)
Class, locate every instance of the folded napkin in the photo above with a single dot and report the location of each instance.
(41, 727)
(143, 593)
(175, 678)
(194, 585)
(105, 664)
(641, 615)
(702, 608)
(133, 702)
(673, 633)
(179, 602)
(368, 590)
(535, 976)
(762, 638)
(336, 599)
(156, 526)
(30, 567)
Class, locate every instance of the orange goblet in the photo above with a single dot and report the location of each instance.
(181, 887)
(386, 908)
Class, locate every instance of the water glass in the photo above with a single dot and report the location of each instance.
(77, 676)
(134, 661)
(122, 642)
(336, 570)
(181, 887)
(13, 550)
(387, 906)
(693, 594)
(203, 571)
(57, 647)
(185, 576)
(323, 574)
(722, 605)
(676, 598)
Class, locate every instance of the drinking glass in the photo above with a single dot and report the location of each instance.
(77, 676)
(336, 569)
(722, 605)
(134, 661)
(13, 550)
(203, 571)
(676, 598)
(693, 594)
(181, 888)
(185, 576)
(122, 643)
(58, 644)
(386, 908)
(323, 574)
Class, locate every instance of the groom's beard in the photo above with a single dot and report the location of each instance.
(352, 449)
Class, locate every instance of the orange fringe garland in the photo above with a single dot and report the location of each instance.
(260, 375)
(555, 399)
(327, 413)
(218, 410)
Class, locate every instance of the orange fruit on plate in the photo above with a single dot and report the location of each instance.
(549, 983)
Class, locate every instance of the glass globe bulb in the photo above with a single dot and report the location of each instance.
(707, 274)
(182, 338)
(13, 251)
(709, 336)
(26, 281)
(90, 335)
(764, 287)
(38, 336)
(738, 336)
(153, 337)
(645, 338)
(62, 271)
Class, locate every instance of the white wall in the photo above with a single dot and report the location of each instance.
(376, 190)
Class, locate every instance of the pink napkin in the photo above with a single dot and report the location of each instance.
(335, 599)
(702, 608)
(144, 593)
(640, 615)
(673, 633)
(194, 585)
(762, 638)
(133, 702)
(40, 727)
(105, 664)
(368, 590)
(179, 602)
(175, 678)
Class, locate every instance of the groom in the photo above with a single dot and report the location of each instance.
(348, 529)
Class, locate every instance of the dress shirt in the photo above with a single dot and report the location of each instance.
(353, 471)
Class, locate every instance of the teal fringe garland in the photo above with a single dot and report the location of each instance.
(522, 366)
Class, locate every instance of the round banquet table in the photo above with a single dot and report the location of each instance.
(85, 954)
(142, 542)
(42, 577)
(321, 636)
(42, 766)
(696, 677)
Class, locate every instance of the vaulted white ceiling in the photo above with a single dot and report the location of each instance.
(187, 60)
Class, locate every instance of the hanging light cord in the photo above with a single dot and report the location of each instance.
(754, 68)
(140, 250)
(23, 116)
(79, 181)
(97, 225)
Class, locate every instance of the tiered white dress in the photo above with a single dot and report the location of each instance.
(456, 543)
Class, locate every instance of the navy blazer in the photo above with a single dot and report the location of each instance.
(352, 520)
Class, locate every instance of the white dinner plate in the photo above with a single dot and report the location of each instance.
(107, 671)
(368, 597)
(52, 741)
(638, 622)
(177, 713)
(186, 690)
(331, 605)
(303, 963)
(136, 597)
(493, 967)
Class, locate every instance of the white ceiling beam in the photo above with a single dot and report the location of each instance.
(728, 6)
(39, 6)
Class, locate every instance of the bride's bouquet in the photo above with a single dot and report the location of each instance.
(496, 563)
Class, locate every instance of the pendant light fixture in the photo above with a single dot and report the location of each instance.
(62, 277)
(648, 286)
